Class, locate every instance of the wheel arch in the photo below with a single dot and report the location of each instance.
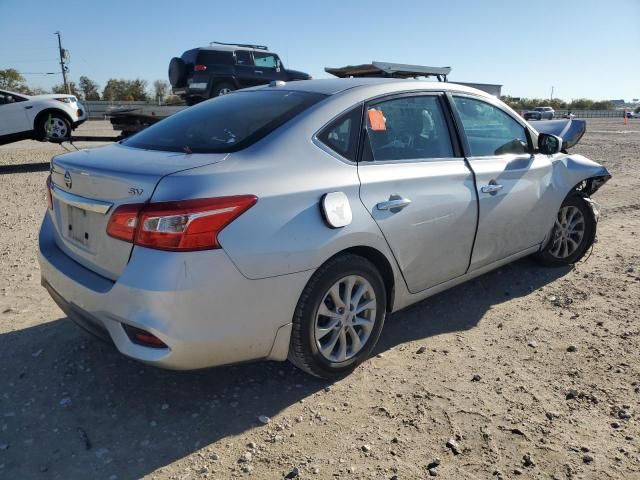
(381, 262)
(48, 111)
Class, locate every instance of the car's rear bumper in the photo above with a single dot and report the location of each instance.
(197, 303)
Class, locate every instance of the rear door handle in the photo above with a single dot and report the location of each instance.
(492, 188)
(395, 202)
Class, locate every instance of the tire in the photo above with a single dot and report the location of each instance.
(324, 345)
(177, 72)
(53, 127)
(565, 247)
(222, 89)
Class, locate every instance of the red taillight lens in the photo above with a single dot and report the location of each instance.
(199, 68)
(180, 226)
(144, 338)
(49, 197)
(123, 222)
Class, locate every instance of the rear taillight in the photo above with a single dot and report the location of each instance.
(199, 68)
(180, 226)
(49, 197)
(123, 222)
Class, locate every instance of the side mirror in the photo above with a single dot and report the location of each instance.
(549, 144)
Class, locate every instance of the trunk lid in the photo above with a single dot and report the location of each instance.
(88, 185)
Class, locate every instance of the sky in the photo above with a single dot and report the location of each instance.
(581, 48)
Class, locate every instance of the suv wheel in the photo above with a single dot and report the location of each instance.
(53, 127)
(338, 318)
(222, 89)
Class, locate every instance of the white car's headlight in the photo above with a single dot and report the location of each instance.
(67, 99)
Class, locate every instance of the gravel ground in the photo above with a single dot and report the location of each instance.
(525, 372)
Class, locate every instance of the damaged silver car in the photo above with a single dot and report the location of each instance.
(287, 221)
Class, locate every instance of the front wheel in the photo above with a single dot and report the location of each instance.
(573, 233)
(339, 317)
(54, 127)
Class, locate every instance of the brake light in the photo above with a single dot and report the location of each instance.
(123, 222)
(179, 226)
(199, 68)
(49, 196)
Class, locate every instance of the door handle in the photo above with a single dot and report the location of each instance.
(28, 107)
(259, 71)
(492, 188)
(395, 202)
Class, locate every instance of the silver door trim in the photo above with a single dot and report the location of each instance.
(84, 203)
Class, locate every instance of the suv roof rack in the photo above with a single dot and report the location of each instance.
(392, 70)
(246, 45)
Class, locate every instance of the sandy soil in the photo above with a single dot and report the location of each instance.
(531, 372)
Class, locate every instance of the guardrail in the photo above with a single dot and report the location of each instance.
(97, 109)
(588, 113)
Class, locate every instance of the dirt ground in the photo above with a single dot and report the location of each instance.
(533, 373)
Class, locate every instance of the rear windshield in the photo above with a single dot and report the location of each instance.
(224, 124)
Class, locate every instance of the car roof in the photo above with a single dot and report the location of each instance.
(234, 48)
(332, 86)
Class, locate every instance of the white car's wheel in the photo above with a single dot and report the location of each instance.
(54, 127)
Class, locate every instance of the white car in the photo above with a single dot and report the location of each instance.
(41, 117)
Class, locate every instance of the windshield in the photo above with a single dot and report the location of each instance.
(224, 124)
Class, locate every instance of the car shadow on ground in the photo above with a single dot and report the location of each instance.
(73, 407)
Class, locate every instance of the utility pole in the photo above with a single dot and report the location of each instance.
(551, 93)
(63, 67)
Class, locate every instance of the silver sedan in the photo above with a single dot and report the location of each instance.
(287, 221)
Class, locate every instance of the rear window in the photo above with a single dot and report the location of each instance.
(214, 57)
(224, 124)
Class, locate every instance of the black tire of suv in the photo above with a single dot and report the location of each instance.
(177, 72)
(215, 92)
(303, 351)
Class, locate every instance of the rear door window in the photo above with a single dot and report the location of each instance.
(243, 57)
(224, 124)
(407, 128)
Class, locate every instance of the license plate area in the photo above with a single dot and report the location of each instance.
(77, 226)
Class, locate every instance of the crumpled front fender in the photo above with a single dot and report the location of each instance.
(578, 172)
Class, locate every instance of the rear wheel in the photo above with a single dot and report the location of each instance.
(54, 127)
(338, 318)
(222, 89)
(574, 231)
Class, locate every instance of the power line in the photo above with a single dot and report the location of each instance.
(38, 73)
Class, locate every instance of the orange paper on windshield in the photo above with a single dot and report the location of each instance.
(376, 120)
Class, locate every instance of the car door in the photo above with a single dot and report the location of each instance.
(13, 114)
(245, 69)
(418, 187)
(514, 183)
(267, 67)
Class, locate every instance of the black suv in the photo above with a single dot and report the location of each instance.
(207, 72)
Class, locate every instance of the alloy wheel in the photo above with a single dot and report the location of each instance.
(345, 318)
(568, 232)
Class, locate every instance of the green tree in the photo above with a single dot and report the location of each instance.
(581, 104)
(602, 105)
(72, 88)
(120, 89)
(11, 79)
(89, 88)
(160, 87)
